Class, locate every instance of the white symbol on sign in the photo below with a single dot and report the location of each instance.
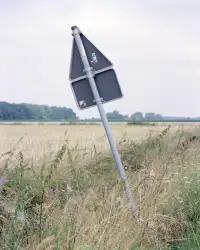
(94, 61)
(82, 104)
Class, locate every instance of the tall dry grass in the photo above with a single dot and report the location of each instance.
(70, 201)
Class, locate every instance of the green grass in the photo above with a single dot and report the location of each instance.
(191, 209)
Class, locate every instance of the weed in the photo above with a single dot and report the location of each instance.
(72, 202)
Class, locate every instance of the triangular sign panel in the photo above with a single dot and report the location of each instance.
(96, 59)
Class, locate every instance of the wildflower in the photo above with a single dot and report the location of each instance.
(52, 191)
(3, 180)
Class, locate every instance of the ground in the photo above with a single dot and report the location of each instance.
(66, 193)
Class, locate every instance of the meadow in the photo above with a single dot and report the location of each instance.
(59, 187)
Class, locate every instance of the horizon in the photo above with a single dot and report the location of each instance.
(143, 112)
(155, 52)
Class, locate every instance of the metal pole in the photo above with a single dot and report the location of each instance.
(98, 100)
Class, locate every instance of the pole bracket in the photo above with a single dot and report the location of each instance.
(98, 100)
(90, 72)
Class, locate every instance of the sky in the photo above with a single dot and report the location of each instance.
(154, 46)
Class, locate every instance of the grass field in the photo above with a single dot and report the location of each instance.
(59, 188)
(40, 139)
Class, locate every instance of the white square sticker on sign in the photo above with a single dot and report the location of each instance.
(94, 61)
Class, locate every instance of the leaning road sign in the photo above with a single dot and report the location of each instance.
(105, 77)
(94, 82)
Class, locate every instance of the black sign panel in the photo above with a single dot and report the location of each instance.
(107, 85)
(96, 59)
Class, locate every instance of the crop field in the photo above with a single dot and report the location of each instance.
(39, 140)
(59, 187)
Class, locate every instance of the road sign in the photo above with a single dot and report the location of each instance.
(105, 77)
(107, 85)
(94, 81)
(96, 59)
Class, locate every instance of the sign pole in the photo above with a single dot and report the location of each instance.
(98, 101)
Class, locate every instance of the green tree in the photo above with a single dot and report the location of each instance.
(150, 116)
(25, 111)
(158, 117)
(137, 116)
(115, 115)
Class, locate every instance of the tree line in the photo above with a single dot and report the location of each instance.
(137, 116)
(34, 112)
(149, 116)
(24, 111)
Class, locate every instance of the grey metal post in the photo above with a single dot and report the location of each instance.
(98, 100)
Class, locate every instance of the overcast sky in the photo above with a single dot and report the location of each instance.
(153, 44)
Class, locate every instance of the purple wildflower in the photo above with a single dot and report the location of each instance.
(3, 180)
(52, 191)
